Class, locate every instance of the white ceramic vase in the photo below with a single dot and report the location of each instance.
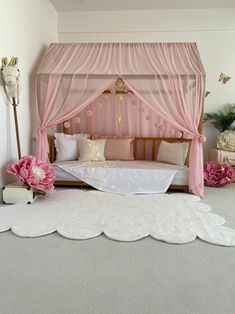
(226, 141)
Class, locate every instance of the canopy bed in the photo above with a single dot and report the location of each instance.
(167, 78)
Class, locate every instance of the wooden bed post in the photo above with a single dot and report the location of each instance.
(65, 131)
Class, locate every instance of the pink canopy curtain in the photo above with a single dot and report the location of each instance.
(168, 77)
(61, 101)
(178, 96)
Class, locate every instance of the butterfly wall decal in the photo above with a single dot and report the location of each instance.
(224, 78)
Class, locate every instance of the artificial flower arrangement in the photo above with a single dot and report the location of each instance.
(217, 173)
(35, 173)
(224, 121)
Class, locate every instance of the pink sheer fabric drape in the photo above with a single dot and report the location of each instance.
(107, 115)
(168, 77)
(63, 102)
(183, 110)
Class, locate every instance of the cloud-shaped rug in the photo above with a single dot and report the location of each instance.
(77, 214)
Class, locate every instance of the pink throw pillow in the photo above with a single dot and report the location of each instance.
(118, 148)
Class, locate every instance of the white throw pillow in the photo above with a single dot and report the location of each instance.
(66, 146)
(172, 153)
(91, 150)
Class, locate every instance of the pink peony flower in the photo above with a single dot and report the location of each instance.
(35, 173)
(218, 173)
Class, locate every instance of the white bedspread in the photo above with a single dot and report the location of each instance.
(123, 177)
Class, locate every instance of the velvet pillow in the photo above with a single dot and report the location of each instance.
(118, 148)
(91, 150)
(66, 146)
(173, 153)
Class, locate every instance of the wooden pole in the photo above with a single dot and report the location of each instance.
(16, 126)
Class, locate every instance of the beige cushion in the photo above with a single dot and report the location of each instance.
(173, 153)
(66, 145)
(91, 150)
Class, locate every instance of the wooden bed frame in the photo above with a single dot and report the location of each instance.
(141, 146)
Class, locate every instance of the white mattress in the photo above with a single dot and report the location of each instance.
(180, 178)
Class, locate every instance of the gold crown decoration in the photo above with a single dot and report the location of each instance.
(120, 88)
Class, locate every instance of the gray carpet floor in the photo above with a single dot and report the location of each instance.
(53, 275)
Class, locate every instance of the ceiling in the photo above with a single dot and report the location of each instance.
(102, 5)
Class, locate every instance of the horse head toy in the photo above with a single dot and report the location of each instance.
(10, 75)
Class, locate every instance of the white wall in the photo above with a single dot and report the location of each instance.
(212, 30)
(26, 28)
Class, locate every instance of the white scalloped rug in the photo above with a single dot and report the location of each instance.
(78, 214)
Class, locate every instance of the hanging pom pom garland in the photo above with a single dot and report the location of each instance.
(89, 113)
(77, 120)
(67, 124)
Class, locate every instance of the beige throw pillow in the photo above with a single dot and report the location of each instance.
(66, 145)
(172, 153)
(91, 150)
